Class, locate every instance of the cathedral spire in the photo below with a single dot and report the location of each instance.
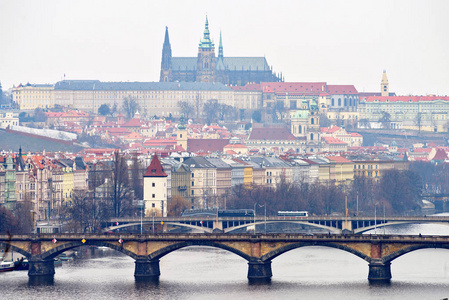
(166, 63)
(220, 48)
(206, 41)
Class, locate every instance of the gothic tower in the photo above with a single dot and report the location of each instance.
(384, 89)
(166, 66)
(206, 58)
(155, 189)
(220, 74)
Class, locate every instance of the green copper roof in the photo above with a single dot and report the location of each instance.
(206, 41)
(301, 114)
(220, 47)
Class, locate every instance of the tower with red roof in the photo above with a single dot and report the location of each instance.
(155, 189)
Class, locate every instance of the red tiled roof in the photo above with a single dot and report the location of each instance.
(271, 133)
(132, 123)
(440, 155)
(338, 159)
(294, 87)
(341, 89)
(207, 145)
(355, 134)
(155, 168)
(404, 98)
(423, 150)
(331, 129)
(247, 87)
(332, 140)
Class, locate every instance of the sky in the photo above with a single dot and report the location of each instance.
(338, 42)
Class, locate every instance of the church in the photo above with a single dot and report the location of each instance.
(207, 67)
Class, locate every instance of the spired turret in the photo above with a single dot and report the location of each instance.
(166, 64)
(384, 88)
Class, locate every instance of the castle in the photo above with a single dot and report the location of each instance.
(207, 67)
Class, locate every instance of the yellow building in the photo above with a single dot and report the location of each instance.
(248, 175)
(67, 184)
(341, 169)
(32, 96)
(374, 168)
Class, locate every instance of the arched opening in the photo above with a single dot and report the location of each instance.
(51, 254)
(203, 265)
(316, 265)
(4, 246)
(426, 265)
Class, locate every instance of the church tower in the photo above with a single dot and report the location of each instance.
(155, 189)
(206, 57)
(384, 89)
(181, 135)
(166, 65)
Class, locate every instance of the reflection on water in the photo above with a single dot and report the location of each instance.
(202, 273)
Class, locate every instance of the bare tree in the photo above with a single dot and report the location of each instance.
(385, 119)
(121, 195)
(210, 110)
(186, 108)
(177, 205)
(130, 106)
(137, 177)
(198, 105)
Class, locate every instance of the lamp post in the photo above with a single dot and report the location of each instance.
(264, 205)
(375, 220)
(255, 217)
(141, 206)
(153, 221)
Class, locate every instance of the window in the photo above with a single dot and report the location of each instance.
(153, 196)
(153, 205)
(153, 184)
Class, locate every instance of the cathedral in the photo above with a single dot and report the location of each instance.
(207, 67)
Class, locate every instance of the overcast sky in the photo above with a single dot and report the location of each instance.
(339, 42)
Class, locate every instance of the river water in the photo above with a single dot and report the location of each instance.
(209, 273)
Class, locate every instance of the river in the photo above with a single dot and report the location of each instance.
(208, 273)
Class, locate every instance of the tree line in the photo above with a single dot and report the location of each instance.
(396, 191)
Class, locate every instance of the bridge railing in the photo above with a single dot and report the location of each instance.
(221, 236)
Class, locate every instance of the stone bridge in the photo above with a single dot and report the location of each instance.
(258, 249)
(209, 224)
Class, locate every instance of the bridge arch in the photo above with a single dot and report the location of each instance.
(394, 223)
(5, 246)
(332, 229)
(412, 248)
(275, 253)
(166, 250)
(52, 253)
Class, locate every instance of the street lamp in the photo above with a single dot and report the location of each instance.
(141, 206)
(375, 220)
(153, 221)
(264, 205)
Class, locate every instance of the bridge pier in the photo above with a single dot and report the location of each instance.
(147, 269)
(379, 272)
(41, 270)
(259, 271)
